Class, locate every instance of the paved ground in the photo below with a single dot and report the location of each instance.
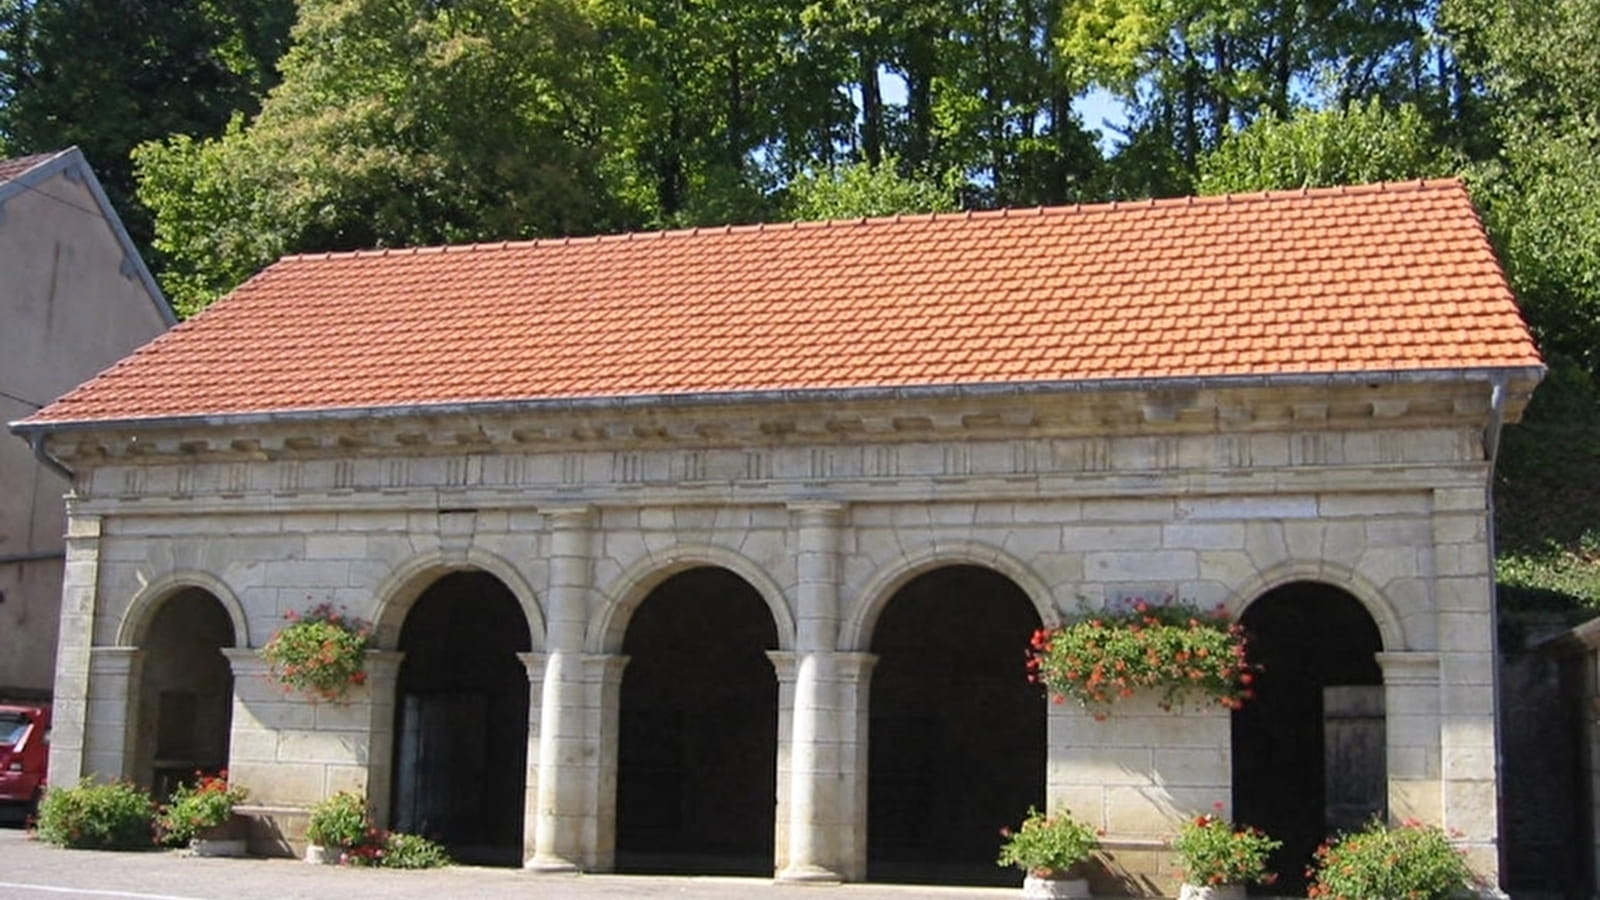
(33, 871)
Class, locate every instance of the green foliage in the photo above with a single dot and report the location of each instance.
(1409, 862)
(1359, 144)
(114, 816)
(1047, 846)
(1211, 851)
(410, 851)
(863, 190)
(339, 821)
(108, 76)
(320, 652)
(207, 803)
(1102, 656)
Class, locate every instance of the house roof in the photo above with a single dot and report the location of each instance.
(1375, 279)
(11, 168)
(31, 173)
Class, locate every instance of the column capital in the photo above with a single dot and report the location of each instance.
(578, 515)
(603, 667)
(1409, 667)
(534, 663)
(113, 660)
(818, 512)
(245, 661)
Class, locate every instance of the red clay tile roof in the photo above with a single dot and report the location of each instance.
(11, 168)
(1374, 279)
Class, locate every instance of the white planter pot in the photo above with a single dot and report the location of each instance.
(1054, 888)
(316, 854)
(226, 847)
(1211, 892)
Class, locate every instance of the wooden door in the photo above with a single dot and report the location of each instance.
(1355, 776)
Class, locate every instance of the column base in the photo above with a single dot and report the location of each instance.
(809, 875)
(552, 865)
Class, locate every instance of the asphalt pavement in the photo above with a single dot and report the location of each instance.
(33, 871)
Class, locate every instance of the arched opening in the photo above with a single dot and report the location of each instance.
(1308, 750)
(461, 719)
(185, 692)
(957, 740)
(698, 730)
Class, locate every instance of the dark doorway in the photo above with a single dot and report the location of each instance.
(698, 753)
(185, 692)
(461, 719)
(1308, 750)
(957, 742)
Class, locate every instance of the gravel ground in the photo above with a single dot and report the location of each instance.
(33, 871)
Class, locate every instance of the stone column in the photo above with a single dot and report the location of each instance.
(852, 692)
(374, 715)
(563, 808)
(534, 663)
(70, 703)
(602, 696)
(1411, 734)
(814, 770)
(111, 734)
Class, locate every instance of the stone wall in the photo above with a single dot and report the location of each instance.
(826, 513)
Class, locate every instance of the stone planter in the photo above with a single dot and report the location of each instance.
(1211, 892)
(1054, 888)
(226, 840)
(318, 855)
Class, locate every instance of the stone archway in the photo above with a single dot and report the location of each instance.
(1309, 748)
(461, 719)
(185, 690)
(957, 734)
(697, 730)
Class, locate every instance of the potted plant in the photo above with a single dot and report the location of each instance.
(321, 652)
(1051, 852)
(1100, 657)
(201, 815)
(1217, 859)
(1413, 861)
(337, 824)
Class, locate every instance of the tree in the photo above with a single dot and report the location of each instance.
(861, 189)
(396, 123)
(1359, 144)
(108, 74)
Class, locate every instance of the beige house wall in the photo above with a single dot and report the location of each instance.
(1212, 496)
(72, 302)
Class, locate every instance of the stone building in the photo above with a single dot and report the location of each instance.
(718, 550)
(74, 298)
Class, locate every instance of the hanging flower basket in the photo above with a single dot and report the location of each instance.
(321, 652)
(1185, 654)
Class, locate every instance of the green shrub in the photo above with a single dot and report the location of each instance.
(339, 821)
(1047, 846)
(412, 851)
(194, 808)
(1411, 862)
(1211, 851)
(118, 815)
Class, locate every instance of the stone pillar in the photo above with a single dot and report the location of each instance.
(814, 770)
(291, 750)
(70, 703)
(602, 696)
(564, 808)
(534, 663)
(1411, 730)
(374, 715)
(110, 738)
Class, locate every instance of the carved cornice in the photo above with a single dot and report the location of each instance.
(642, 429)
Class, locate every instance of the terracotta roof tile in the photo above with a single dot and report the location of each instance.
(15, 166)
(1369, 278)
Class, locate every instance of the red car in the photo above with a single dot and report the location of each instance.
(24, 753)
